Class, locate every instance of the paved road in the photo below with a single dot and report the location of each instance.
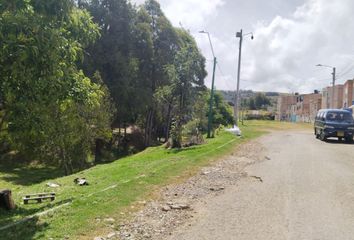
(307, 193)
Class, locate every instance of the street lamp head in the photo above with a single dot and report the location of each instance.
(241, 35)
(211, 45)
(327, 66)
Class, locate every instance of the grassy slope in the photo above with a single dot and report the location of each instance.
(131, 179)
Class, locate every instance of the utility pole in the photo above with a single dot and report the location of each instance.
(239, 35)
(210, 115)
(333, 85)
(237, 95)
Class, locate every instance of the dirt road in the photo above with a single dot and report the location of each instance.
(304, 190)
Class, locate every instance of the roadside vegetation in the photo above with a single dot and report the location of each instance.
(108, 91)
(85, 82)
(114, 189)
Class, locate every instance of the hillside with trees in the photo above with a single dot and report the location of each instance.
(254, 105)
(74, 71)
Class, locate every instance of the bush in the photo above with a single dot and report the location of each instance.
(259, 117)
(191, 134)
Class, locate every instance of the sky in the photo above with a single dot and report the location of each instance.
(290, 39)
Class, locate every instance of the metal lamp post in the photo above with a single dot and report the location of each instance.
(333, 81)
(210, 115)
(237, 97)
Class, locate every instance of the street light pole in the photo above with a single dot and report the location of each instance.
(333, 81)
(210, 114)
(237, 95)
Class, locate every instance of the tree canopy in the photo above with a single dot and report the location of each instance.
(71, 70)
(150, 67)
(49, 104)
(257, 102)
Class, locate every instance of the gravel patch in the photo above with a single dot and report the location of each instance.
(174, 208)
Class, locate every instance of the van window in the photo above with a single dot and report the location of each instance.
(339, 117)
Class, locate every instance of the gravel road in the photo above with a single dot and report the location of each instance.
(304, 190)
(284, 185)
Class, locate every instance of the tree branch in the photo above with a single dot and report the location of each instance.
(2, 120)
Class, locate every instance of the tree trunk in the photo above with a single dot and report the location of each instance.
(2, 121)
(6, 200)
(167, 134)
(119, 135)
(98, 150)
(148, 128)
(66, 169)
(176, 137)
(147, 120)
(151, 127)
(64, 160)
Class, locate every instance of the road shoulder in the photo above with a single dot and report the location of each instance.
(179, 204)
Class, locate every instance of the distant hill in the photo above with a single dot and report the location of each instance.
(229, 96)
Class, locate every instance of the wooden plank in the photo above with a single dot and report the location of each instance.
(38, 199)
(36, 194)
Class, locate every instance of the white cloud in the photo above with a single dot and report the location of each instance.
(192, 13)
(285, 51)
(290, 39)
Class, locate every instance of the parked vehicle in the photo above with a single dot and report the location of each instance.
(334, 123)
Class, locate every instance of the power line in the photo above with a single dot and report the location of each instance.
(222, 73)
(349, 65)
(346, 72)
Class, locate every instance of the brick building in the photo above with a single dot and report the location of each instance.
(329, 101)
(315, 105)
(284, 107)
(307, 106)
(348, 94)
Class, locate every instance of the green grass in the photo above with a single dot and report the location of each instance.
(263, 125)
(125, 182)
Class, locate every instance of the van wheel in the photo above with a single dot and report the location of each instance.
(316, 133)
(322, 136)
(349, 140)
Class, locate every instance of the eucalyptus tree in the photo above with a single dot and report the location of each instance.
(165, 45)
(136, 55)
(112, 55)
(187, 75)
